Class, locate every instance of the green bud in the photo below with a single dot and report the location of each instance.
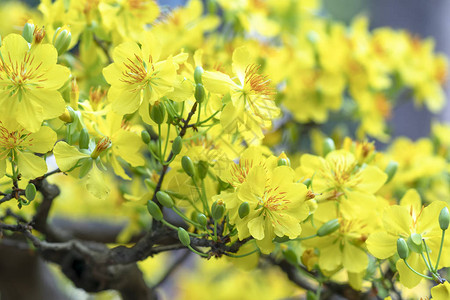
(310, 295)
(83, 141)
(244, 210)
(402, 248)
(290, 256)
(145, 136)
(390, 170)
(30, 191)
(283, 160)
(149, 184)
(328, 228)
(188, 166)
(27, 32)
(177, 145)
(165, 199)
(202, 168)
(217, 210)
(198, 72)
(307, 182)
(184, 237)
(86, 166)
(202, 220)
(199, 93)
(328, 146)
(444, 218)
(153, 146)
(158, 113)
(62, 39)
(154, 210)
(414, 243)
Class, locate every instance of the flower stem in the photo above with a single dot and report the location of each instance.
(242, 255)
(417, 273)
(440, 250)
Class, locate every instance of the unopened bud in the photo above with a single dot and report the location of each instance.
(328, 228)
(145, 136)
(101, 146)
(290, 256)
(158, 113)
(188, 166)
(83, 141)
(62, 39)
(184, 237)
(328, 146)
(202, 220)
(177, 145)
(244, 210)
(202, 169)
(199, 93)
(390, 170)
(283, 160)
(67, 116)
(444, 218)
(30, 191)
(28, 30)
(154, 210)
(198, 72)
(165, 199)
(402, 249)
(217, 210)
(414, 243)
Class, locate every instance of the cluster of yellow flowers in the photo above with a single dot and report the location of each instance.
(153, 109)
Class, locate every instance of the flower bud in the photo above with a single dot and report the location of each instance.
(202, 169)
(145, 136)
(444, 218)
(283, 160)
(188, 166)
(165, 199)
(328, 146)
(62, 39)
(154, 210)
(202, 220)
(391, 169)
(328, 228)
(184, 237)
(158, 112)
(177, 145)
(30, 191)
(198, 72)
(402, 249)
(199, 93)
(244, 210)
(217, 210)
(28, 30)
(290, 256)
(307, 182)
(68, 115)
(83, 141)
(414, 243)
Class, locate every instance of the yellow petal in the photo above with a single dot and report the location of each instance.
(396, 220)
(411, 198)
(217, 82)
(67, 156)
(30, 114)
(330, 257)
(14, 46)
(42, 141)
(354, 258)
(372, 179)
(96, 183)
(407, 277)
(441, 291)
(256, 227)
(30, 165)
(382, 245)
(127, 145)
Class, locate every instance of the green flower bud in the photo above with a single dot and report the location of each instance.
(86, 166)
(402, 249)
(158, 112)
(444, 218)
(83, 141)
(307, 182)
(28, 30)
(30, 191)
(310, 295)
(244, 210)
(290, 256)
(202, 168)
(184, 237)
(198, 72)
(328, 228)
(62, 39)
(328, 146)
(217, 210)
(199, 93)
(145, 136)
(202, 220)
(391, 169)
(149, 184)
(177, 145)
(154, 210)
(188, 166)
(415, 243)
(165, 199)
(283, 160)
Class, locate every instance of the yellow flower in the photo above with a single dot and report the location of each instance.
(20, 145)
(137, 78)
(251, 107)
(441, 291)
(29, 79)
(402, 221)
